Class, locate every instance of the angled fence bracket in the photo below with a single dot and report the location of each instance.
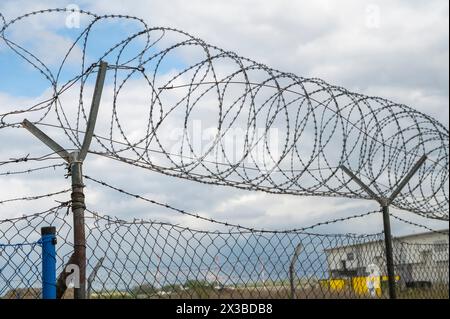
(297, 252)
(92, 277)
(75, 161)
(385, 203)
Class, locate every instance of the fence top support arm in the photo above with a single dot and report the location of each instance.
(44, 138)
(75, 156)
(362, 185)
(407, 178)
(386, 201)
(94, 110)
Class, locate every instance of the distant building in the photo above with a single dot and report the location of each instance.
(420, 259)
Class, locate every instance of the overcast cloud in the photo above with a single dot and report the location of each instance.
(398, 50)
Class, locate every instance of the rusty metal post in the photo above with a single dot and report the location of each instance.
(79, 237)
(76, 167)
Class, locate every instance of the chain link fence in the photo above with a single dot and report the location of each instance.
(145, 259)
(20, 270)
(328, 142)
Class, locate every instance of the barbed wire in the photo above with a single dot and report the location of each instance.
(266, 130)
(27, 158)
(31, 170)
(295, 132)
(35, 197)
(419, 225)
(223, 223)
(190, 158)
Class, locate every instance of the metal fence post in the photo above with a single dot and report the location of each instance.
(389, 252)
(78, 206)
(48, 241)
(385, 202)
(292, 269)
(75, 160)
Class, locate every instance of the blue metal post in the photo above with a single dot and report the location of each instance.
(48, 241)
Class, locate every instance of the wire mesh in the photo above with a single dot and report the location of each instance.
(148, 259)
(20, 270)
(320, 127)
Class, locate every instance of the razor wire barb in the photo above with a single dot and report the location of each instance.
(319, 126)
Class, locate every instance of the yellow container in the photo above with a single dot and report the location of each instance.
(361, 287)
(337, 284)
(333, 284)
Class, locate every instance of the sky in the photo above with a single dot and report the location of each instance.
(396, 50)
